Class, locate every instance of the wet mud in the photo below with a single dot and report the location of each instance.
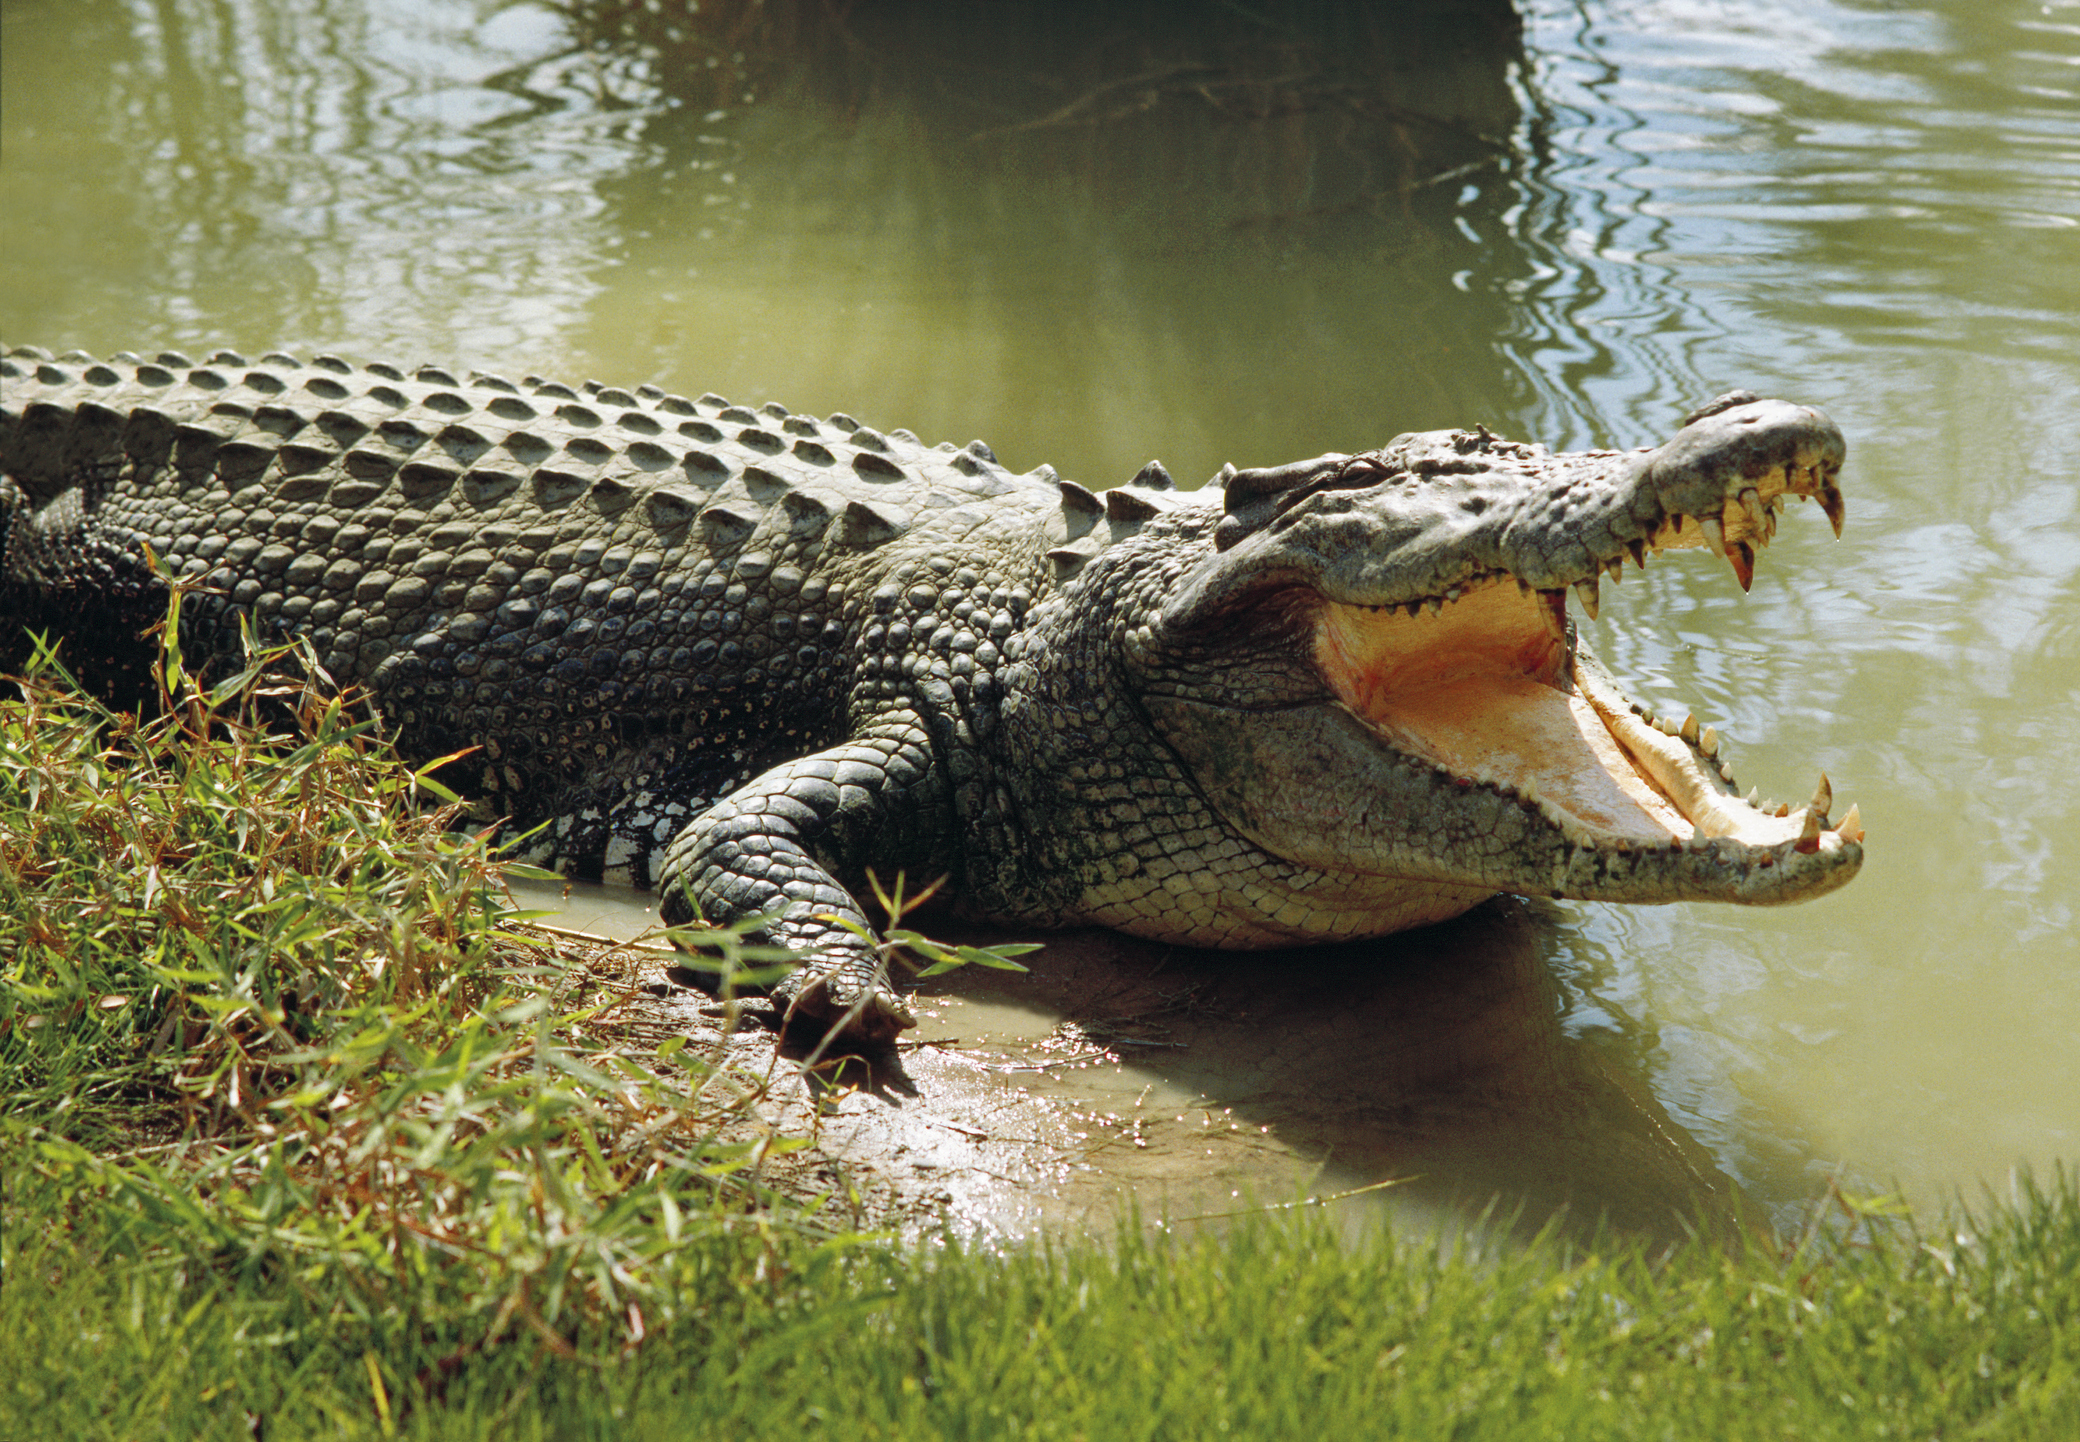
(1425, 1078)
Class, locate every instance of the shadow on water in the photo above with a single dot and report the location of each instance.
(1468, 1067)
(1438, 1058)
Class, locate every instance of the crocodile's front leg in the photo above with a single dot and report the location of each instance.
(780, 844)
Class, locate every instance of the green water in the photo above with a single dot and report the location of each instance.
(1253, 233)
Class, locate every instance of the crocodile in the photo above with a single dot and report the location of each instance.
(751, 657)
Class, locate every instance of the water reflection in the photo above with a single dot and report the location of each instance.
(1894, 174)
(1217, 233)
(1873, 206)
(342, 177)
(1214, 234)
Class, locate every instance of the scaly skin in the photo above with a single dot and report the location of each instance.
(747, 656)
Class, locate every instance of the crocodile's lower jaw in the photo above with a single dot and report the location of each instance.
(1482, 689)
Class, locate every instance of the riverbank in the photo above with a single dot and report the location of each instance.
(309, 1132)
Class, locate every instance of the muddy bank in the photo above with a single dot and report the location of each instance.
(1425, 1077)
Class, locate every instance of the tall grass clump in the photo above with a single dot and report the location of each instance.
(267, 1020)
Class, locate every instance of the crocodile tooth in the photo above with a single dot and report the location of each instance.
(1587, 591)
(1689, 729)
(1726, 772)
(1751, 502)
(1553, 605)
(1769, 524)
(1639, 553)
(1708, 742)
(1615, 569)
(1714, 533)
(1432, 605)
(1823, 797)
(1753, 792)
(1831, 502)
(1851, 828)
(1742, 558)
(1811, 829)
(1779, 809)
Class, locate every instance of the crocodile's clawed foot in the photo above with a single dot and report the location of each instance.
(850, 1004)
(845, 998)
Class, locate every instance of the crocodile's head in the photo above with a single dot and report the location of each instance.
(1375, 671)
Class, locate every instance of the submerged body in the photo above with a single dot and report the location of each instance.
(747, 656)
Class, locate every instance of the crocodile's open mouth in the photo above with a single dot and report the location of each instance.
(1489, 687)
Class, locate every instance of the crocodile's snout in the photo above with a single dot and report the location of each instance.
(1438, 595)
(1759, 451)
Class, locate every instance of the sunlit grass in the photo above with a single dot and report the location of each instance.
(261, 1003)
(1272, 1330)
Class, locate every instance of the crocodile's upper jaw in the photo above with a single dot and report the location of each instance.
(1484, 689)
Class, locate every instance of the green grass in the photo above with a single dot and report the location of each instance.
(1273, 1330)
(306, 1135)
(262, 1008)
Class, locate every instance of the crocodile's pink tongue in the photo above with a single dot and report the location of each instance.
(1523, 734)
(1482, 687)
(1476, 689)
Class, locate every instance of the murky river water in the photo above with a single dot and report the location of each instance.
(1254, 233)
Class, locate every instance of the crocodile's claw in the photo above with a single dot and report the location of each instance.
(850, 997)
